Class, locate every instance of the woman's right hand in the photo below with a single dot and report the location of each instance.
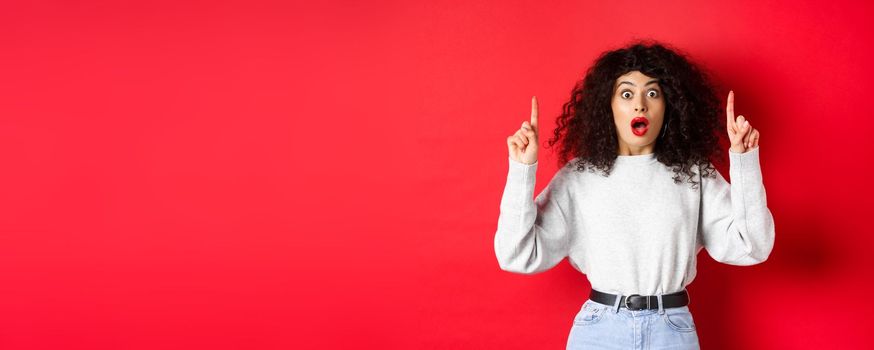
(523, 144)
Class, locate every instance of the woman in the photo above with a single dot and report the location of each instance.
(636, 197)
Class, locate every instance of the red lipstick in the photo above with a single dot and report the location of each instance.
(639, 125)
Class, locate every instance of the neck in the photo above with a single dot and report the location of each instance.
(629, 150)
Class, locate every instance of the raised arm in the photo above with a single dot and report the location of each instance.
(532, 232)
(735, 225)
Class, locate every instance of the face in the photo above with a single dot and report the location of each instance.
(638, 111)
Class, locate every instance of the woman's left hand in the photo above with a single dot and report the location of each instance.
(742, 135)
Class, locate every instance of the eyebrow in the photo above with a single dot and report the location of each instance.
(632, 84)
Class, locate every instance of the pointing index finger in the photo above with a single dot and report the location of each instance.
(534, 111)
(729, 112)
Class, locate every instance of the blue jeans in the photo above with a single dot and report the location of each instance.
(600, 326)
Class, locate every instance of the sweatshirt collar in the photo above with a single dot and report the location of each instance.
(636, 159)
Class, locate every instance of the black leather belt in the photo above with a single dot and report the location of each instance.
(642, 302)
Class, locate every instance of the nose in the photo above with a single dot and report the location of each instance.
(641, 107)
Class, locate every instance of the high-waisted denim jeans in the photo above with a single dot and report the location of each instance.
(600, 326)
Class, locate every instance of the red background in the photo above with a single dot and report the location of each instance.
(239, 175)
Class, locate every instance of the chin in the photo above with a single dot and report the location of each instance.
(637, 141)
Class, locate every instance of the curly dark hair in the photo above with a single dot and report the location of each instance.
(586, 130)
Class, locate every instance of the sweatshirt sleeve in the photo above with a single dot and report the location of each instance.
(532, 234)
(735, 225)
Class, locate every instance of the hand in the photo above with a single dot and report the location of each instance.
(741, 134)
(523, 144)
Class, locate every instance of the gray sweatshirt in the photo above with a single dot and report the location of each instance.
(635, 231)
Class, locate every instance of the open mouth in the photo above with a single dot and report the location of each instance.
(639, 125)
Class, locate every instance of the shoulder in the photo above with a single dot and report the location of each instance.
(569, 170)
(572, 166)
(565, 176)
(710, 177)
(570, 177)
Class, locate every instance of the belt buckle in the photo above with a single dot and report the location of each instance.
(627, 298)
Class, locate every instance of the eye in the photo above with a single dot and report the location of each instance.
(652, 93)
(626, 94)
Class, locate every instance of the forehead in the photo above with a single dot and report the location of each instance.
(635, 77)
